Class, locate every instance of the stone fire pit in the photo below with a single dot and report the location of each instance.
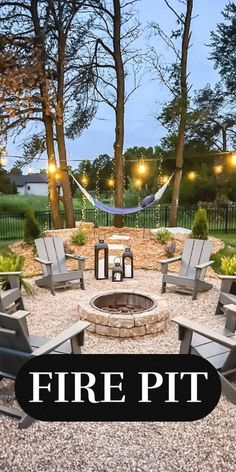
(125, 314)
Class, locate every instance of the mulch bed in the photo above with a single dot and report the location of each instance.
(146, 249)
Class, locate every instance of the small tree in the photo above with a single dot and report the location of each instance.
(31, 227)
(200, 225)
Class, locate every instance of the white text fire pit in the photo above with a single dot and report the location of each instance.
(125, 314)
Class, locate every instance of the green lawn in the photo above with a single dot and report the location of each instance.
(37, 203)
(228, 251)
(229, 239)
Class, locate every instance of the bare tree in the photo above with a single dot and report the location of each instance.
(46, 80)
(175, 77)
(114, 58)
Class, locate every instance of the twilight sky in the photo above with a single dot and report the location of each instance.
(141, 127)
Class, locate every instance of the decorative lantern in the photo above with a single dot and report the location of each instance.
(128, 263)
(117, 271)
(101, 260)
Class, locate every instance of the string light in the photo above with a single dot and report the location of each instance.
(3, 161)
(164, 179)
(142, 168)
(192, 175)
(85, 180)
(52, 168)
(218, 169)
(233, 160)
(58, 175)
(3, 155)
(138, 183)
(111, 182)
(159, 182)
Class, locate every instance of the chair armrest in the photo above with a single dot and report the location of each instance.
(4, 274)
(231, 308)
(77, 258)
(204, 331)
(20, 314)
(204, 265)
(170, 260)
(43, 261)
(67, 334)
(227, 277)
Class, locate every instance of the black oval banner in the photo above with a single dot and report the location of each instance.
(118, 387)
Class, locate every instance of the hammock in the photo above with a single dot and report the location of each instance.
(147, 201)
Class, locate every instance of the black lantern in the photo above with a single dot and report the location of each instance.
(101, 260)
(128, 263)
(117, 271)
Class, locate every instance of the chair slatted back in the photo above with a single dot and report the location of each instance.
(196, 251)
(16, 339)
(52, 249)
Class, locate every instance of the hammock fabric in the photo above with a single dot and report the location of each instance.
(147, 201)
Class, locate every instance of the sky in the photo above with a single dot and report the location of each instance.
(141, 128)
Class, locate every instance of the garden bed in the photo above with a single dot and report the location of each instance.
(146, 249)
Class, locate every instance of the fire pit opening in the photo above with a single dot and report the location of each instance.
(123, 303)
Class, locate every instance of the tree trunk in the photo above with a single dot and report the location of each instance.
(183, 114)
(52, 185)
(47, 115)
(120, 110)
(65, 181)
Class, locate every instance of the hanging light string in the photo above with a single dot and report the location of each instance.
(84, 181)
(97, 187)
(159, 183)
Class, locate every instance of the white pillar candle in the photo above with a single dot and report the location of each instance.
(101, 269)
(127, 270)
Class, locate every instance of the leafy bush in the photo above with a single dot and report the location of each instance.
(79, 237)
(170, 249)
(31, 227)
(13, 263)
(163, 235)
(228, 265)
(200, 225)
(228, 252)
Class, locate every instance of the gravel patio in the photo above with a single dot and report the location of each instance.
(206, 445)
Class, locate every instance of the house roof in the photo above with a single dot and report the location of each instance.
(21, 180)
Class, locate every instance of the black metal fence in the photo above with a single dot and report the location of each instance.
(221, 218)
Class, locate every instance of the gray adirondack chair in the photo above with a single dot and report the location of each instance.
(194, 263)
(227, 292)
(218, 348)
(52, 258)
(17, 346)
(11, 299)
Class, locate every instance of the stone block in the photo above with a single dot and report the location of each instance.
(119, 321)
(92, 328)
(95, 317)
(144, 318)
(107, 331)
(153, 328)
(132, 332)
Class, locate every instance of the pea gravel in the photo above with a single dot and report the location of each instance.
(207, 445)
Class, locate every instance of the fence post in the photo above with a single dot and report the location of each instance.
(166, 216)
(226, 218)
(49, 220)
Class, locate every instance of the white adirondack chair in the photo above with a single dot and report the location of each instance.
(52, 258)
(17, 347)
(194, 263)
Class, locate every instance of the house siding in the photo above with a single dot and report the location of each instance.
(40, 189)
